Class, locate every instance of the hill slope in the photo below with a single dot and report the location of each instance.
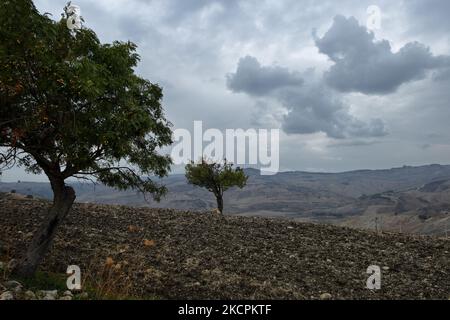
(409, 199)
(191, 255)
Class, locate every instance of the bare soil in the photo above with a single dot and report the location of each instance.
(171, 254)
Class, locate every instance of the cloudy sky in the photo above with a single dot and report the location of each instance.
(344, 98)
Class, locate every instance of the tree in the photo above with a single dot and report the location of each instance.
(71, 106)
(215, 177)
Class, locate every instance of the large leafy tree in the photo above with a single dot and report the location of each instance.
(216, 177)
(71, 106)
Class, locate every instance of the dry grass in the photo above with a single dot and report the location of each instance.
(5, 257)
(107, 281)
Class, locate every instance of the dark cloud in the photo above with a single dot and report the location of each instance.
(315, 108)
(256, 80)
(311, 106)
(185, 43)
(364, 65)
(442, 75)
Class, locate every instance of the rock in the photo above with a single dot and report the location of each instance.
(48, 294)
(83, 295)
(13, 284)
(385, 268)
(12, 264)
(7, 295)
(132, 228)
(17, 290)
(149, 243)
(49, 297)
(325, 296)
(66, 298)
(68, 293)
(29, 295)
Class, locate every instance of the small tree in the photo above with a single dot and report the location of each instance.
(73, 107)
(215, 177)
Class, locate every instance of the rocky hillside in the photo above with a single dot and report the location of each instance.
(162, 253)
(408, 199)
(423, 210)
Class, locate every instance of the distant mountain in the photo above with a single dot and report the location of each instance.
(410, 199)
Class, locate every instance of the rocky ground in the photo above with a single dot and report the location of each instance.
(168, 254)
(15, 290)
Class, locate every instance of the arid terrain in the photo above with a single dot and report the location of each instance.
(164, 253)
(407, 199)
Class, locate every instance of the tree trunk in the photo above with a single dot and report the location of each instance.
(63, 198)
(219, 199)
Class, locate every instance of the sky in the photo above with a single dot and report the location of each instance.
(344, 97)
